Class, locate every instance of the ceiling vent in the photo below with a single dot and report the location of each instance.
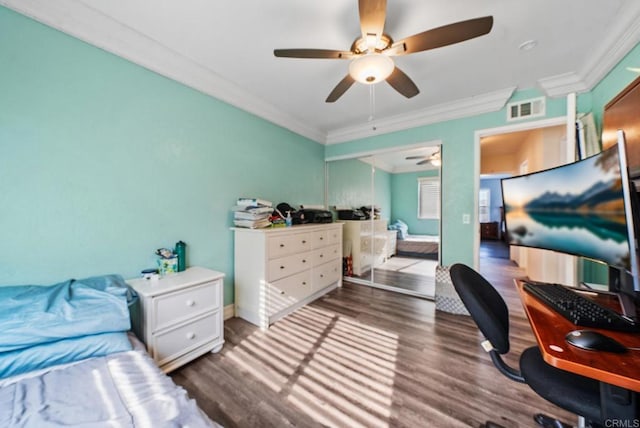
(526, 109)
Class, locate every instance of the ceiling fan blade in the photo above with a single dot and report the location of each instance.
(372, 16)
(446, 35)
(402, 83)
(423, 162)
(313, 53)
(340, 89)
(415, 157)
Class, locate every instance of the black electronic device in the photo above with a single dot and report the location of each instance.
(354, 214)
(594, 341)
(313, 215)
(579, 309)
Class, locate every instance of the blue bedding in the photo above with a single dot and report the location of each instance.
(124, 389)
(33, 315)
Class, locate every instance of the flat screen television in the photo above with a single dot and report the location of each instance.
(587, 208)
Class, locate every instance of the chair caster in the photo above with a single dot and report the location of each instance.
(547, 422)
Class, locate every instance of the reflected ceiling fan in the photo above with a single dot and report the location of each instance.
(434, 159)
(371, 52)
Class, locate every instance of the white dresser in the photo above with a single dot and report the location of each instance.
(279, 270)
(369, 243)
(181, 315)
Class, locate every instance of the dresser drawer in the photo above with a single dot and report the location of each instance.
(318, 239)
(334, 235)
(326, 274)
(178, 341)
(289, 265)
(323, 255)
(174, 307)
(283, 245)
(289, 290)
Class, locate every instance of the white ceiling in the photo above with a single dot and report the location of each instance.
(225, 49)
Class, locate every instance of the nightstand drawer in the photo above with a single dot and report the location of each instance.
(174, 307)
(173, 343)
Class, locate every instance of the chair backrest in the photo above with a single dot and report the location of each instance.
(484, 303)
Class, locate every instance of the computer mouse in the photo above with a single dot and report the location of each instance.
(594, 341)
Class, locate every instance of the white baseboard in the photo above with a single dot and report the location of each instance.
(229, 311)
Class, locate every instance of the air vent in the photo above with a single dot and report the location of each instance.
(526, 109)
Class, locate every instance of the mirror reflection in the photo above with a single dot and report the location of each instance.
(389, 204)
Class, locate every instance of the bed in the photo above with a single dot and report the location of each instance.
(418, 245)
(68, 359)
(414, 245)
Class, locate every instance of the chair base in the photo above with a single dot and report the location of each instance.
(548, 422)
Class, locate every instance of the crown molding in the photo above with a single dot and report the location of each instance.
(480, 104)
(81, 21)
(603, 59)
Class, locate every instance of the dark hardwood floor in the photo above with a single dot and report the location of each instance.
(365, 357)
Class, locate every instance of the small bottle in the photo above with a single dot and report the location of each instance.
(288, 221)
(181, 252)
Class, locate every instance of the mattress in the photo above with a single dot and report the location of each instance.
(418, 244)
(124, 389)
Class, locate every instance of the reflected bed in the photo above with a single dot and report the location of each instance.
(418, 246)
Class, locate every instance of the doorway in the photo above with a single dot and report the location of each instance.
(515, 150)
(382, 198)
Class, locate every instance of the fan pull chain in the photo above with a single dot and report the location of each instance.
(372, 103)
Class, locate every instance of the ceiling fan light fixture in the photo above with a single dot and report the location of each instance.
(371, 68)
(436, 162)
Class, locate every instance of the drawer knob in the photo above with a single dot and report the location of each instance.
(321, 238)
(304, 241)
(281, 267)
(321, 275)
(281, 292)
(191, 303)
(304, 282)
(191, 335)
(281, 245)
(321, 255)
(304, 261)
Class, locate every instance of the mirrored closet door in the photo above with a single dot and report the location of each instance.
(389, 204)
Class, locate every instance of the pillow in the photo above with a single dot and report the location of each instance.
(401, 227)
(33, 314)
(62, 351)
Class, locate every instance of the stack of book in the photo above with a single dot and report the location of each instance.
(252, 213)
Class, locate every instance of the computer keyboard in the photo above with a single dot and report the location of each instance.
(579, 309)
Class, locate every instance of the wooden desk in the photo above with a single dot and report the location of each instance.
(550, 329)
(619, 370)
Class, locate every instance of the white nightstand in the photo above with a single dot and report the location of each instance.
(181, 315)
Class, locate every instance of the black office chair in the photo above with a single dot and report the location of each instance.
(574, 393)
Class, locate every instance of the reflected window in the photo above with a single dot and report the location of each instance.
(429, 198)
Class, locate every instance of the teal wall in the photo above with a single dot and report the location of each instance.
(103, 161)
(404, 202)
(349, 184)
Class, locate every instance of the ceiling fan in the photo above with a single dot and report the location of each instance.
(434, 158)
(371, 52)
